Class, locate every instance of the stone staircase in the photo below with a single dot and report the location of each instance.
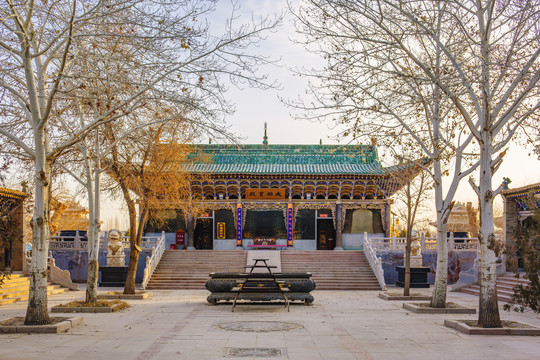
(505, 286)
(15, 288)
(189, 269)
(332, 270)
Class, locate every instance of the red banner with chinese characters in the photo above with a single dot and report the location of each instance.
(265, 194)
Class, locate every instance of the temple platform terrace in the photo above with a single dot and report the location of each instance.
(180, 324)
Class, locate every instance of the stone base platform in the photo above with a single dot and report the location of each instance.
(214, 298)
(418, 277)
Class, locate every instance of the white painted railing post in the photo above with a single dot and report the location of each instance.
(374, 261)
(394, 242)
(77, 240)
(153, 261)
(451, 242)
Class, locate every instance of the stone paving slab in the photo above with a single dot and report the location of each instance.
(179, 324)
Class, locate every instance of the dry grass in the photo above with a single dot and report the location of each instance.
(505, 324)
(449, 305)
(116, 305)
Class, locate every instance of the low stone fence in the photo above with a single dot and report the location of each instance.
(428, 245)
(78, 242)
(71, 253)
(463, 255)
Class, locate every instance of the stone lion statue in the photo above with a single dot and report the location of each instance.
(114, 242)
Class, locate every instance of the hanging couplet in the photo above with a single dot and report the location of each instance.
(239, 224)
(290, 218)
(220, 230)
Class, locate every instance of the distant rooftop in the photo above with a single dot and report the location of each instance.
(12, 194)
(522, 191)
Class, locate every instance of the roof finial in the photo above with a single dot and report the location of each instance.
(265, 138)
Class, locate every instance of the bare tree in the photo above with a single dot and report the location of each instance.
(481, 57)
(373, 89)
(39, 48)
(412, 199)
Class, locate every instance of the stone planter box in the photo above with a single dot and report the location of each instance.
(421, 308)
(387, 296)
(120, 296)
(114, 306)
(63, 325)
(509, 328)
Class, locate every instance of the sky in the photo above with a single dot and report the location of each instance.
(254, 107)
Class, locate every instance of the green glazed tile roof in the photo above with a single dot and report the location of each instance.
(287, 159)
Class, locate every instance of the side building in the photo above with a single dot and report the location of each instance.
(11, 229)
(302, 197)
(519, 206)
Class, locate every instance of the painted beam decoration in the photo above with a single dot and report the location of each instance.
(290, 218)
(239, 224)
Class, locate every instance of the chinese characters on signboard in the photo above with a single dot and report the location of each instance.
(266, 194)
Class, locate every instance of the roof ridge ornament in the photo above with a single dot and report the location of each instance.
(265, 138)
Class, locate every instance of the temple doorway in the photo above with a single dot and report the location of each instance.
(326, 234)
(203, 235)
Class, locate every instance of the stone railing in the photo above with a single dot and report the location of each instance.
(153, 261)
(78, 242)
(429, 245)
(374, 261)
(55, 274)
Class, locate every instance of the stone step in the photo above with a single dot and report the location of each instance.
(6, 288)
(331, 270)
(505, 287)
(347, 270)
(23, 295)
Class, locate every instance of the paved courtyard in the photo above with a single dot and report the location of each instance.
(339, 325)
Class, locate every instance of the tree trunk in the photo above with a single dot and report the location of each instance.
(129, 287)
(438, 299)
(407, 285)
(135, 247)
(488, 310)
(94, 227)
(36, 312)
(190, 225)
